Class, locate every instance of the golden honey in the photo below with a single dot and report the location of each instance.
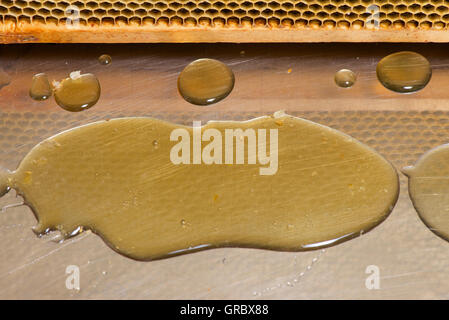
(205, 81)
(40, 87)
(404, 72)
(77, 92)
(307, 186)
(429, 189)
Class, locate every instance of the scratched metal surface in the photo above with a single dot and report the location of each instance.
(141, 80)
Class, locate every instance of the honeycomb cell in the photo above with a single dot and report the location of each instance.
(314, 14)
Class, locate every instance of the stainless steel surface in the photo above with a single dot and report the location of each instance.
(299, 79)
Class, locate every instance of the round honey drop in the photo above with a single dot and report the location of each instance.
(5, 79)
(77, 92)
(345, 78)
(205, 81)
(404, 72)
(40, 87)
(105, 59)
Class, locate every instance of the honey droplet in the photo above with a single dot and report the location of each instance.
(345, 78)
(40, 87)
(404, 72)
(5, 79)
(205, 81)
(77, 92)
(105, 59)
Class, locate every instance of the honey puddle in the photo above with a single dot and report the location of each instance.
(404, 72)
(205, 81)
(429, 189)
(118, 178)
(40, 87)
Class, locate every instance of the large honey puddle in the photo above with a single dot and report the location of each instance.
(429, 189)
(153, 189)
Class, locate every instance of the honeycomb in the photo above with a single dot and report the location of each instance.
(18, 17)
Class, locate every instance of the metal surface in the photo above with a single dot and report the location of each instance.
(299, 79)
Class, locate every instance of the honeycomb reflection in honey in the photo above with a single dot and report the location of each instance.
(222, 14)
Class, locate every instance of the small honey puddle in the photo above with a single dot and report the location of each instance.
(404, 72)
(429, 189)
(153, 189)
